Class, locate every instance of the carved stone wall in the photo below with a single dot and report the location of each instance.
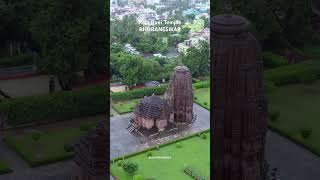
(91, 159)
(238, 100)
(179, 94)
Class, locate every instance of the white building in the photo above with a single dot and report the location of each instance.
(152, 2)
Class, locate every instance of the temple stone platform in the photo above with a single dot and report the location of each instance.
(123, 142)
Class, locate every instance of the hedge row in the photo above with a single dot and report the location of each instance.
(295, 73)
(193, 174)
(17, 61)
(271, 60)
(4, 168)
(199, 85)
(60, 105)
(139, 93)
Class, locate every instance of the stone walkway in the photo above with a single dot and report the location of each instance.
(123, 142)
(293, 161)
(114, 112)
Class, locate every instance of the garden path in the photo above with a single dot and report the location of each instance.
(114, 112)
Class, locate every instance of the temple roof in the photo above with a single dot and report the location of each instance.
(181, 68)
(152, 107)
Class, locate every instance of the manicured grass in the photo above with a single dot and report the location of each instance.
(312, 50)
(299, 109)
(202, 97)
(194, 152)
(4, 168)
(49, 148)
(123, 107)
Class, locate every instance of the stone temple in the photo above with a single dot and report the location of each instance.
(239, 106)
(155, 114)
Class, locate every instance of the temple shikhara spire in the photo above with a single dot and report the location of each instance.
(239, 104)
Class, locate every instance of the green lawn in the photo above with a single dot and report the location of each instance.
(4, 168)
(313, 50)
(195, 152)
(202, 97)
(49, 148)
(299, 108)
(123, 107)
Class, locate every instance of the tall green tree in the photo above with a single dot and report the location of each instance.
(131, 69)
(71, 35)
(196, 59)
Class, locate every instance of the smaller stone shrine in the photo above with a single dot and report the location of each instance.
(154, 114)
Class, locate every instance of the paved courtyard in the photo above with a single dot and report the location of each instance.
(31, 86)
(123, 142)
(293, 161)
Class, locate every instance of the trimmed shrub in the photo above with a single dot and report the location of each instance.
(195, 98)
(199, 85)
(274, 115)
(120, 162)
(20, 60)
(36, 135)
(305, 133)
(139, 93)
(203, 136)
(269, 86)
(149, 153)
(4, 168)
(68, 148)
(130, 167)
(62, 105)
(205, 103)
(179, 145)
(271, 60)
(291, 74)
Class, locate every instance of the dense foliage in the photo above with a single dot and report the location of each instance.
(138, 93)
(69, 36)
(276, 23)
(197, 59)
(133, 69)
